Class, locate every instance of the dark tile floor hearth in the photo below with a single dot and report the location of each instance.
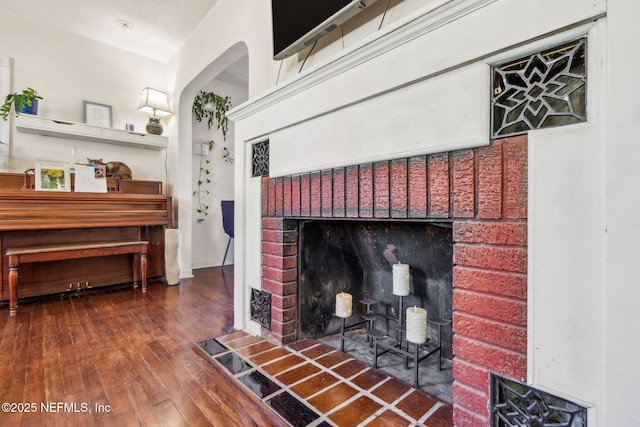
(310, 383)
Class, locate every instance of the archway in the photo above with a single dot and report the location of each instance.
(183, 197)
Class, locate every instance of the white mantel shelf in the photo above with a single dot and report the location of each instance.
(63, 129)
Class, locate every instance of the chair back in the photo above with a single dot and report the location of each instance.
(227, 216)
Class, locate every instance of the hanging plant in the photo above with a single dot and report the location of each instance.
(211, 108)
(203, 178)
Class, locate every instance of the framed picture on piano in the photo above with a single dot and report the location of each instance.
(52, 176)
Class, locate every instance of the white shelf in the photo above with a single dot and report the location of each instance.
(63, 129)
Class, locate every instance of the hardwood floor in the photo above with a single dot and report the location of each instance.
(123, 358)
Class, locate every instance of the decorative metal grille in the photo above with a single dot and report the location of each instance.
(261, 307)
(543, 90)
(261, 159)
(516, 404)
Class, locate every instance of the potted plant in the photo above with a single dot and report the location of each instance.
(25, 102)
(212, 108)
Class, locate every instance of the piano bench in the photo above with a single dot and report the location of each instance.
(19, 256)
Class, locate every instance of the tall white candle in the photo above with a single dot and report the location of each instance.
(416, 325)
(344, 303)
(401, 279)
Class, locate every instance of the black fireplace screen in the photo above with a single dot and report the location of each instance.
(516, 404)
(261, 307)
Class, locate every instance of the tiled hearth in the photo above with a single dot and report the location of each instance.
(310, 383)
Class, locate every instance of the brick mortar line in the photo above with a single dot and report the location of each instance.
(490, 245)
(474, 413)
(500, 322)
(475, 340)
(492, 270)
(491, 294)
(482, 269)
(471, 387)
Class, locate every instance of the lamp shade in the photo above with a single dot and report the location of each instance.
(155, 102)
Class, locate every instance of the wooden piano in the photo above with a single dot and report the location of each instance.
(135, 211)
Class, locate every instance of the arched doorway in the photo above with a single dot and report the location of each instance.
(230, 72)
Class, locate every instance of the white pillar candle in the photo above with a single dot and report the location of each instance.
(343, 304)
(401, 279)
(416, 325)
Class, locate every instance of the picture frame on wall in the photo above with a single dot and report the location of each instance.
(52, 176)
(96, 114)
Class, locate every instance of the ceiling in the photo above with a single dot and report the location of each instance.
(159, 27)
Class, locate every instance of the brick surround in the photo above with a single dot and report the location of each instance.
(483, 191)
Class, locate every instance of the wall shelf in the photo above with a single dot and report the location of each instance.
(63, 129)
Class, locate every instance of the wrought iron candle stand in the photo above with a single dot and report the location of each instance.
(401, 326)
(419, 352)
(344, 328)
(369, 317)
(402, 346)
(415, 352)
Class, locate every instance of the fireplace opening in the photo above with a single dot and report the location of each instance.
(356, 256)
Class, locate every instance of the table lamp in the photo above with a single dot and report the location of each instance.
(155, 102)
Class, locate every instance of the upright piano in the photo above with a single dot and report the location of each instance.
(135, 210)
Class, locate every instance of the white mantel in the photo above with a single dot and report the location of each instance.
(400, 92)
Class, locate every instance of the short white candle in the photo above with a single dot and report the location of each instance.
(343, 304)
(401, 279)
(416, 325)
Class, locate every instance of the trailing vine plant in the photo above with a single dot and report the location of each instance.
(211, 108)
(203, 178)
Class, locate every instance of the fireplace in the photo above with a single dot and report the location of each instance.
(480, 193)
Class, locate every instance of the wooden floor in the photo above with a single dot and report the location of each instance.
(123, 358)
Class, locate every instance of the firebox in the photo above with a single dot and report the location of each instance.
(357, 257)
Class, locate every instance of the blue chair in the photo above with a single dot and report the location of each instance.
(227, 222)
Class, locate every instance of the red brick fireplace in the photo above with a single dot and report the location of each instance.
(482, 191)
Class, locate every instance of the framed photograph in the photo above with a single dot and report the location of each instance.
(97, 114)
(52, 176)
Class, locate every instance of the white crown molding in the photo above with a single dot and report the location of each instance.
(405, 31)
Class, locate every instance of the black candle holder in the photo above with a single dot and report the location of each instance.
(344, 328)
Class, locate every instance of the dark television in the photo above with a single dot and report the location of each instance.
(300, 23)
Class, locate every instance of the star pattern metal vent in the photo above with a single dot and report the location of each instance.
(261, 159)
(261, 307)
(543, 90)
(516, 404)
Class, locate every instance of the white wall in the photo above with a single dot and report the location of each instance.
(5, 134)
(209, 239)
(621, 290)
(65, 70)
